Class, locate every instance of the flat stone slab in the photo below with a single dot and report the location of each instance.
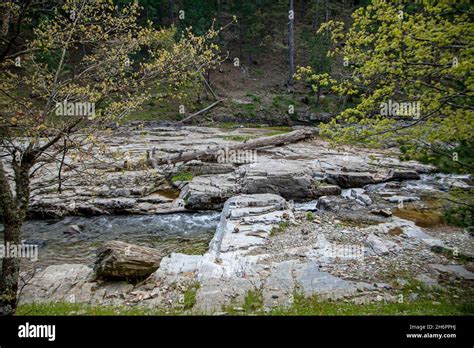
(457, 270)
(68, 282)
(247, 221)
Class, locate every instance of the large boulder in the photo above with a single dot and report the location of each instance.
(209, 192)
(350, 179)
(120, 260)
(401, 175)
(289, 179)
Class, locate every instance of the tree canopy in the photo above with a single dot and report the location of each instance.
(403, 53)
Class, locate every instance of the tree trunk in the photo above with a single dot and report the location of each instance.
(10, 269)
(10, 266)
(241, 41)
(326, 6)
(6, 19)
(14, 213)
(171, 4)
(314, 24)
(291, 44)
(303, 9)
(318, 94)
(211, 155)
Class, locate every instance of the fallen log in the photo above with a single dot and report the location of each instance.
(210, 155)
(207, 108)
(120, 260)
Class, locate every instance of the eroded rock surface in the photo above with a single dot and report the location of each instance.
(349, 248)
(123, 179)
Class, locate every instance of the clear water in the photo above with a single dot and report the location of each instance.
(76, 239)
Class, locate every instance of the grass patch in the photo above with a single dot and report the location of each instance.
(284, 129)
(282, 227)
(253, 301)
(310, 216)
(275, 133)
(190, 296)
(253, 304)
(194, 248)
(451, 254)
(65, 308)
(255, 98)
(313, 306)
(424, 218)
(227, 125)
(183, 176)
(240, 138)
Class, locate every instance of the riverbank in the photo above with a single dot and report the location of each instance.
(301, 221)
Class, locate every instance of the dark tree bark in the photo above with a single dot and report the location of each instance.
(5, 20)
(171, 4)
(326, 7)
(14, 211)
(291, 44)
(210, 155)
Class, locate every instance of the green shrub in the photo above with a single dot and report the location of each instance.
(183, 176)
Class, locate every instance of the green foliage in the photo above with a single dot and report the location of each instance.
(317, 46)
(460, 209)
(310, 216)
(419, 53)
(183, 176)
(457, 159)
(198, 14)
(311, 306)
(66, 308)
(282, 227)
(462, 216)
(241, 138)
(190, 296)
(315, 306)
(253, 301)
(255, 98)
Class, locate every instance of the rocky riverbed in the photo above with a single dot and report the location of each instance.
(348, 224)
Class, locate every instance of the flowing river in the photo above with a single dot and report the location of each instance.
(76, 239)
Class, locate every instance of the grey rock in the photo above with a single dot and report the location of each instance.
(247, 221)
(289, 179)
(400, 175)
(68, 282)
(350, 179)
(208, 192)
(456, 270)
(401, 199)
(358, 195)
(377, 245)
(381, 212)
(120, 260)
